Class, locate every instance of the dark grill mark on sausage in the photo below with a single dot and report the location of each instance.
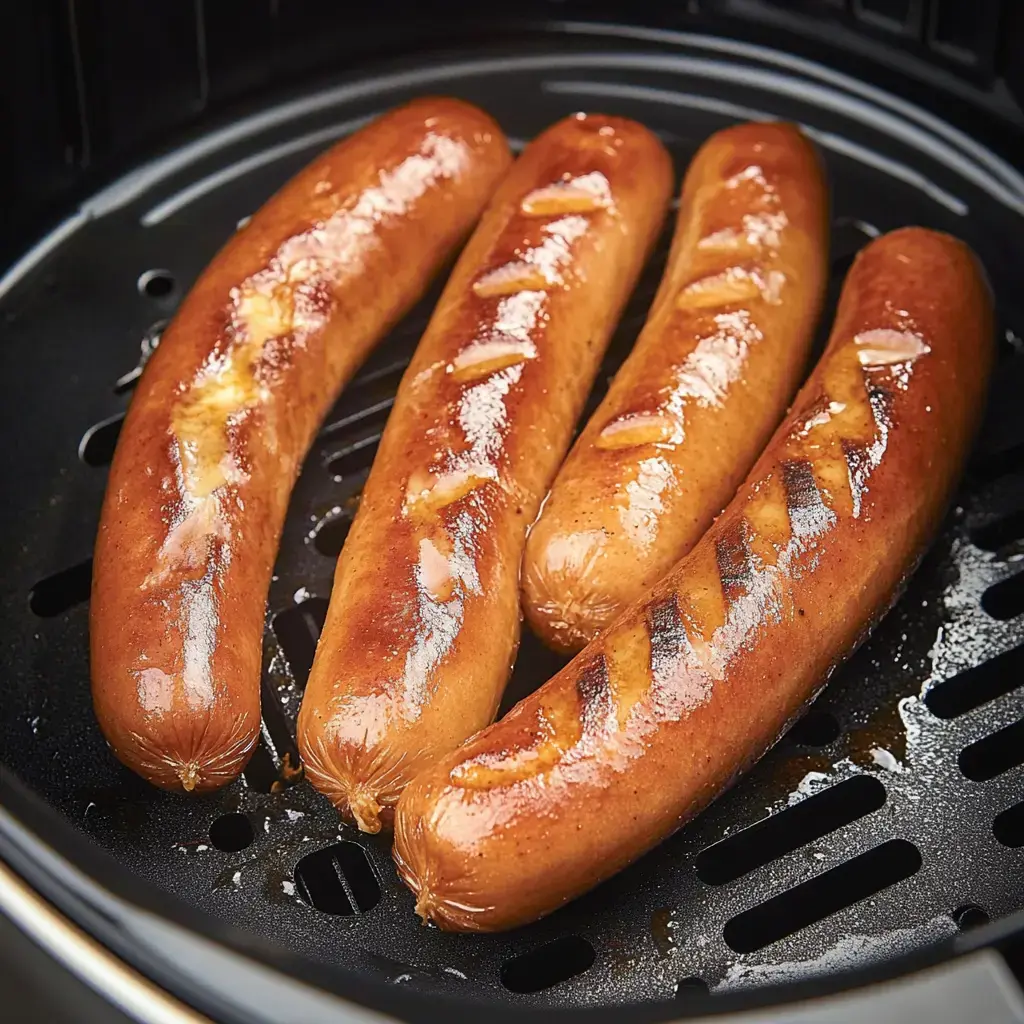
(734, 566)
(808, 514)
(667, 633)
(858, 454)
(593, 687)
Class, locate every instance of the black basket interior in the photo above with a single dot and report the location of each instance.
(890, 816)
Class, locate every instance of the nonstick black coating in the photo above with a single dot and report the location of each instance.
(887, 802)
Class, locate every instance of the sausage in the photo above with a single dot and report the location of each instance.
(226, 410)
(721, 354)
(423, 622)
(696, 680)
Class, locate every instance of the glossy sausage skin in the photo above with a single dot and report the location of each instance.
(225, 411)
(424, 617)
(694, 682)
(722, 353)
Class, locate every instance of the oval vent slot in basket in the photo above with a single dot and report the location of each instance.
(969, 690)
(261, 773)
(994, 754)
(331, 532)
(789, 829)
(63, 590)
(828, 893)
(688, 988)
(548, 965)
(999, 463)
(97, 445)
(231, 832)
(357, 455)
(817, 728)
(338, 880)
(1008, 827)
(999, 532)
(1005, 599)
(297, 630)
(969, 916)
(369, 395)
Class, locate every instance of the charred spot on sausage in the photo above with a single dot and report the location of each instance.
(593, 688)
(808, 513)
(667, 631)
(735, 568)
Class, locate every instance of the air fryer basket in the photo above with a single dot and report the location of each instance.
(890, 817)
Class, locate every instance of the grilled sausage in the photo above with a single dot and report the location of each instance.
(694, 682)
(423, 622)
(721, 354)
(225, 411)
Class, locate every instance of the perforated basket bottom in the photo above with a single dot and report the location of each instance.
(888, 817)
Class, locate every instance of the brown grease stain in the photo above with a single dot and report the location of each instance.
(621, 955)
(661, 931)
(884, 729)
(787, 774)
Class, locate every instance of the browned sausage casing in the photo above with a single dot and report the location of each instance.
(223, 416)
(691, 684)
(424, 617)
(721, 354)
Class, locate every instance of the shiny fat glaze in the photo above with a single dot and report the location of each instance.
(721, 354)
(225, 412)
(694, 682)
(424, 617)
